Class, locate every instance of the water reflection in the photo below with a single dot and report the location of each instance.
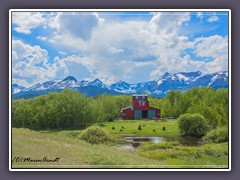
(139, 139)
(135, 141)
(132, 142)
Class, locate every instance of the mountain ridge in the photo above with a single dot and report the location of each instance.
(156, 88)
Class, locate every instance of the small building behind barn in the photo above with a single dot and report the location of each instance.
(140, 109)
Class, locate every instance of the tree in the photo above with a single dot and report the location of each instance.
(194, 125)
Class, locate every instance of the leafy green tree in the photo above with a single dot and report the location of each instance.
(194, 125)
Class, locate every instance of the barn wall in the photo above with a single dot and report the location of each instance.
(127, 113)
(158, 113)
(136, 105)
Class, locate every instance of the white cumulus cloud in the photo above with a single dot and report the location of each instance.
(31, 64)
(77, 24)
(26, 21)
(213, 18)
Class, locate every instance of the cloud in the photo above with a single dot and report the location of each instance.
(180, 64)
(79, 24)
(136, 43)
(215, 47)
(30, 64)
(21, 82)
(213, 18)
(212, 46)
(42, 38)
(130, 50)
(63, 53)
(114, 50)
(168, 22)
(30, 54)
(199, 15)
(26, 21)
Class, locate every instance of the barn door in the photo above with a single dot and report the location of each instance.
(151, 114)
(137, 114)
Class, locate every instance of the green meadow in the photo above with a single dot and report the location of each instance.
(30, 145)
(148, 127)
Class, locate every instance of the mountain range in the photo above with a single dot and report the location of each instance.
(156, 88)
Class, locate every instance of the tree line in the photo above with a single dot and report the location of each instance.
(71, 109)
(210, 103)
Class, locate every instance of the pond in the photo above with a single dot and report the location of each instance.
(132, 142)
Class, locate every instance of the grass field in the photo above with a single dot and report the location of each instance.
(147, 127)
(32, 146)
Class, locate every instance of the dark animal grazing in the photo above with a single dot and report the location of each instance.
(113, 128)
(139, 127)
(154, 130)
(164, 128)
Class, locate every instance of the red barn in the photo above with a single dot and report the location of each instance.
(140, 109)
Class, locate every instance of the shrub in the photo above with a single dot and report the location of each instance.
(193, 125)
(217, 135)
(94, 135)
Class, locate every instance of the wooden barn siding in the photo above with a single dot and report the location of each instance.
(129, 114)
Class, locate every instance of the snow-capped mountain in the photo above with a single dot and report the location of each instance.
(123, 87)
(181, 81)
(69, 82)
(215, 80)
(98, 83)
(177, 81)
(156, 88)
(16, 88)
(42, 86)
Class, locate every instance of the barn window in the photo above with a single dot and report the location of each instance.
(131, 108)
(143, 97)
(136, 97)
(141, 103)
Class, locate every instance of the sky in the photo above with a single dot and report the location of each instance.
(113, 46)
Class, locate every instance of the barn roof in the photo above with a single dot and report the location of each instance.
(126, 108)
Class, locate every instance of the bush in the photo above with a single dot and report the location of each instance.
(94, 135)
(193, 125)
(217, 135)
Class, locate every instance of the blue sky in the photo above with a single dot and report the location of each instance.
(113, 46)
